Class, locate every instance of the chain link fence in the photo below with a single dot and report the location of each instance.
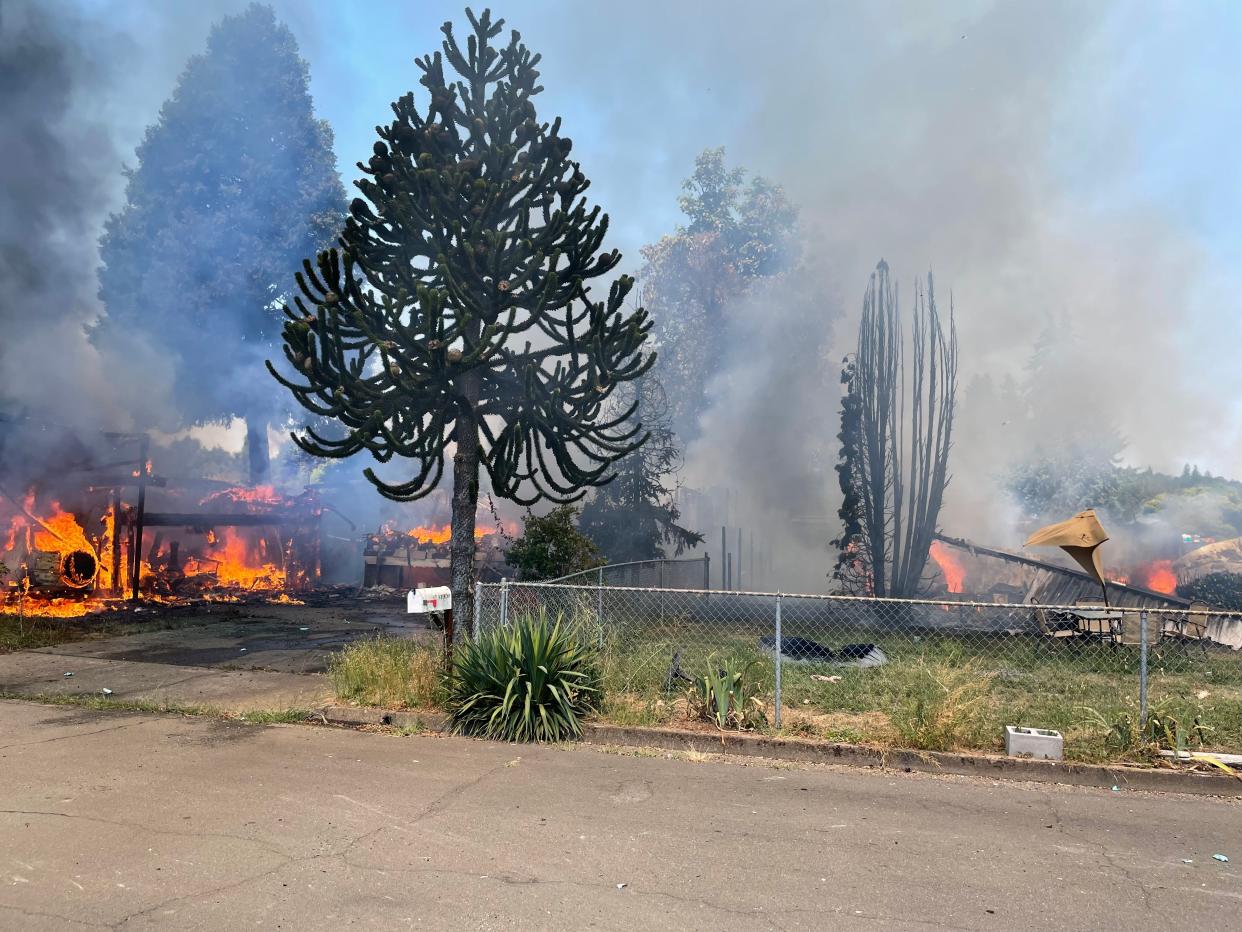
(897, 670)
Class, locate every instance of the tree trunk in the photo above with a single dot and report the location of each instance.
(260, 459)
(465, 504)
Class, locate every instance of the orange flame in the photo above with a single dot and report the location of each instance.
(59, 532)
(443, 534)
(230, 558)
(950, 567)
(1159, 577)
(259, 495)
(64, 532)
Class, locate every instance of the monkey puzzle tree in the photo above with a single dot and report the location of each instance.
(457, 310)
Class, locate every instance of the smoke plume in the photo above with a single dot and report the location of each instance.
(1057, 166)
(56, 182)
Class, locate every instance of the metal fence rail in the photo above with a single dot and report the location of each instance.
(645, 574)
(1051, 666)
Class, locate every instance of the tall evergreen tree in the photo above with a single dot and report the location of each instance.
(634, 517)
(457, 310)
(235, 183)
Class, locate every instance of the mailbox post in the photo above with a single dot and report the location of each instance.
(437, 600)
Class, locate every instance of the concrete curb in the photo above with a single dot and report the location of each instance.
(354, 716)
(989, 766)
(972, 765)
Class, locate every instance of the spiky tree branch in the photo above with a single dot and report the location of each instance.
(458, 311)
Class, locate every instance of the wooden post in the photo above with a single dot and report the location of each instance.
(117, 584)
(136, 554)
(448, 640)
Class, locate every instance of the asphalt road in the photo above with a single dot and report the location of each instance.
(128, 821)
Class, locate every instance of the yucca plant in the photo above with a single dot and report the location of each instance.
(533, 681)
(724, 696)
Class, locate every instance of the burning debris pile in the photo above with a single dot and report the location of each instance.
(420, 556)
(241, 541)
(49, 562)
(965, 570)
(92, 536)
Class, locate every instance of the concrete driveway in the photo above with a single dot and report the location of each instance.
(231, 657)
(133, 821)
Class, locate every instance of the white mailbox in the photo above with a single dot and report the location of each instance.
(434, 599)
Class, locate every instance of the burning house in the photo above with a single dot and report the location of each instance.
(105, 526)
(420, 556)
(970, 571)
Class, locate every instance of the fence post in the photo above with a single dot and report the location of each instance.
(707, 571)
(504, 602)
(778, 660)
(1143, 669)
(478, 610)
(599, 606)
(661, 584)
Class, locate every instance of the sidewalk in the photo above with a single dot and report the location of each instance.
(42, 673)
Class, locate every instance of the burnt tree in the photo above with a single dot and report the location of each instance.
(456, 310)
(896, 433)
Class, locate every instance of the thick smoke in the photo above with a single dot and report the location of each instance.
(1015, 150)
(56, 180)
(1056, 165)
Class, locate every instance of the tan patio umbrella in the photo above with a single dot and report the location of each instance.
(1080, 537)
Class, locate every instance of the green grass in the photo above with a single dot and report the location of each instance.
(273, 717)
(939, 691)
(31, 633)
(100, 703)
(34, 632)
(393, 673)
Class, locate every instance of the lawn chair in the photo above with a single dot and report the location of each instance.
(1106, 628)
(1053, 625)
(1190, 628)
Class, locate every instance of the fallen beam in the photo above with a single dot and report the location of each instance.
(209, 519)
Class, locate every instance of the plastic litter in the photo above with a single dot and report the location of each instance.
(106, 691)
(1188, 860)
(1116, 788)
(68, 674)
(622, 886)
(804, 650)
(1221, 858)
(243, 650)
(304, 629)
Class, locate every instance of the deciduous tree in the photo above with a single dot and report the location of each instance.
(635, 517)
